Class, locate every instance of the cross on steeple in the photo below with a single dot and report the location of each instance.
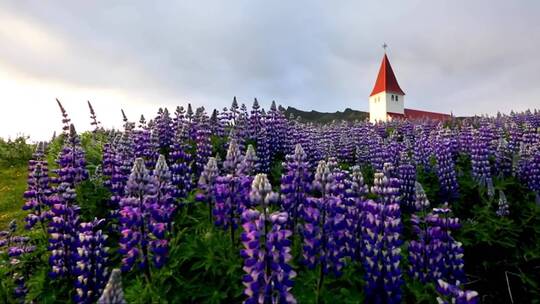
(384, 46)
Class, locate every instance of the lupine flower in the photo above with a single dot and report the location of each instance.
(65, 118)
(90, 262)
(446, 169)
(503, 206)
(266, 250)
(503, 158)
(145, 216)
(324, 224)
(534, 170)
(353, 199)
(231, 195)
(180, 160)
(38, 191)
(17, 247)
(113, 292)
(480, 158)
(206, 184)
(123, 162)
(382, 228)
(163, 129)
(263, 151)
(233, 157)
(295, 185)
(145, 145)
(248, 165)
(450, 293)
(71, 160)
(202, 141)
(407, 177)
(436, 255)
(93, 118)
(64, 211)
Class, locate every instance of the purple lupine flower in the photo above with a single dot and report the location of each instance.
(533, 176)
(90, 262)
(62, 231)
(407, 177)
(248, 165)
(480, 158)
(266, 250)
(38, 191)
(65, 118)
(93, 118)
(465, 139)
(163, 129)
(202, 141)
(255, 120)
(122, 164)
(354, 198)
(145, 146)
(324, 225)
(206, 184)
(422, 150)
(452, 293)
(64, 211)
(113, 292)
(446, 169)
(145, 216)
(503, 159)
(295, 185)
(233, 158)
(418, 260)
(71, 161)
(277, 134)
(503, 206)
(17, 247)
(263, 150)
(381, 237)
(180, 160)
(108, 161)
(436, 254)
(231, 199)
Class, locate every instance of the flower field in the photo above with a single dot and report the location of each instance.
(249, 206)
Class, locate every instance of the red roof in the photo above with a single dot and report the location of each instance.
(386, 80)
(395, 115)
(425, 115)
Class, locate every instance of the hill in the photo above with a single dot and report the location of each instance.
(325, 117)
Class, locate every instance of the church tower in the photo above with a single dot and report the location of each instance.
(386, 100)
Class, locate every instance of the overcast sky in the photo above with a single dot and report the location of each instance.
(466, 57)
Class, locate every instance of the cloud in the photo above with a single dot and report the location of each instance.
(462, 56)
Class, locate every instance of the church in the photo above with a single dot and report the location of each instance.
(387, 99)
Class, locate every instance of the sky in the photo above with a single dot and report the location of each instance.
(465, 57)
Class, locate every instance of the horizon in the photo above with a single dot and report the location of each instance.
(140, 57)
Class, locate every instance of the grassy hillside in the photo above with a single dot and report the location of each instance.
(12, 187)
(322, 117)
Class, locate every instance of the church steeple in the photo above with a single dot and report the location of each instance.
(386, 80)
(387, 99)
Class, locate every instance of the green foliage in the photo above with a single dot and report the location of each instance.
(496, 247)
(202, 268)
(347, 288)
(219, 145)
(92, 143)
(15, 152)
(92, 197)
(12, 187)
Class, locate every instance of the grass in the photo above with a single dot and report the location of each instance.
(12, 187)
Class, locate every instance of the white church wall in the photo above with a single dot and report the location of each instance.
(394, 106)
(377, 107)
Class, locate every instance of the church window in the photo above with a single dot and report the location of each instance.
(396, 97)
